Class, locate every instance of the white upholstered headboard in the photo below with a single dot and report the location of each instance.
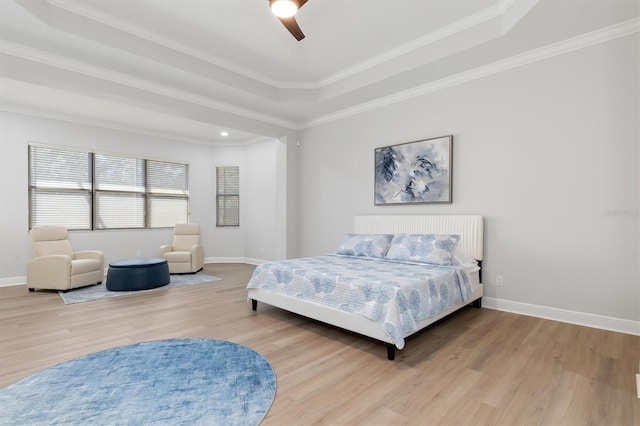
(469, 227)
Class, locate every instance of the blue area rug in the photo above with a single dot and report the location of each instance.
(178, 381)
(97, 292)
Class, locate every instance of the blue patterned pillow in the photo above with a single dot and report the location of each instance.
(436, 249)
(367, 245)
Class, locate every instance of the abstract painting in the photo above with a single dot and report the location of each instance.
(414, 172)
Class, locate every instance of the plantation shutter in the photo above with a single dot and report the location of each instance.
(59, 187)
(168, 195)
(228, 196)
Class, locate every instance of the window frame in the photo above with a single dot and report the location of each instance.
(222, 194)
(60, 189)
(153, 194)
(93, 192)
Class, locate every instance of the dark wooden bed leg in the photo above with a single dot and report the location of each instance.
(254, 304)
(477, 303)
(391, 352)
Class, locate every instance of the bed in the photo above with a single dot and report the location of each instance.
(385, 293)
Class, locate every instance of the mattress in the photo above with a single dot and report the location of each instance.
(397, 295)
(474, 277)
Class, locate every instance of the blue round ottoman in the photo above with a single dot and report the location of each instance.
(137, 274)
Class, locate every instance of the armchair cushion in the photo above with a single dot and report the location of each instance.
(47, 248)
(185, 236)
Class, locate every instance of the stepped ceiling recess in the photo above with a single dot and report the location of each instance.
(189, 69)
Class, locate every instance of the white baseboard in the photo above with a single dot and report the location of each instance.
(556, 314)
(11, 281)
(253, 261)
(249, 260)
(563, 315)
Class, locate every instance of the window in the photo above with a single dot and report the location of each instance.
(87, 190)
(167, 194)
(228, 196)
(59, 187)
(119, 192)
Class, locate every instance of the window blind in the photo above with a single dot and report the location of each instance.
(59, 187)
(228, 196)
(119, 192)
(87, 190)
(168, 194)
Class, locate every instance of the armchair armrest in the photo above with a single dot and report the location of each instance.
(89, 254)
(53, 271)
(197, 257)
(165, 249)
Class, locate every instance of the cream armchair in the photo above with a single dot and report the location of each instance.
(55, 266)
(185, 255)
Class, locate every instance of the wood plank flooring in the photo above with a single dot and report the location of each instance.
(477, 367)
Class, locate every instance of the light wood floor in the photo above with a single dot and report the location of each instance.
(476, 367)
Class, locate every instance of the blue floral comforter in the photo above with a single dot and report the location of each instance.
(398, 295)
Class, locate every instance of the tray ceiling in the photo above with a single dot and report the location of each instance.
(189, 69)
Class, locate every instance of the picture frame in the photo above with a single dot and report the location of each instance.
(414, 172)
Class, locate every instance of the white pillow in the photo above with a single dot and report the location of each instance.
(365, 245)
(460, 259)
(435, 249)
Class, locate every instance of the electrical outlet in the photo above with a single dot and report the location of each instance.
(138, 253)
(499, 280)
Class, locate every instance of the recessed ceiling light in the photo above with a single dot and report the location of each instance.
(223, 133)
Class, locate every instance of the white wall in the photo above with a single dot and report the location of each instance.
(261, 220)
(227, 242)
(18, 130)
(547, 152)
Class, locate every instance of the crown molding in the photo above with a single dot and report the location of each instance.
(471, 21)
(498, 10)
(57, 61)
(103, 124)
(258, 139)
(575, 43)
(71, 118)
(566, 46)
(75, 7)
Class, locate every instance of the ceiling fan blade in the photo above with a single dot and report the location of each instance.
(292, 26)
(301, 3)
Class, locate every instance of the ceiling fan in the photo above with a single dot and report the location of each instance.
(284, 10)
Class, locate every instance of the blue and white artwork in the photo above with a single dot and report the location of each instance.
(414, 172)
